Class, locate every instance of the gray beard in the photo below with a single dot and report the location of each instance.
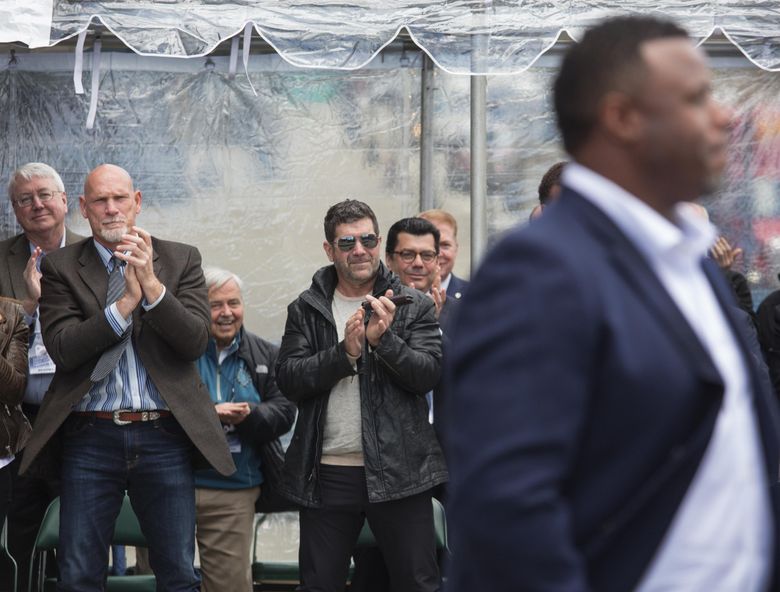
(113, 235)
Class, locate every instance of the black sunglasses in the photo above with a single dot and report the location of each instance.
(348, 242)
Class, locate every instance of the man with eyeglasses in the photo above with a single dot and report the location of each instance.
(412, 253)
(362, 446)
(37, 195)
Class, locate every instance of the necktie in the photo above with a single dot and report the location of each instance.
(110, 357)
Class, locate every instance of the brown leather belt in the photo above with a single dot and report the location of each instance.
(125, 416)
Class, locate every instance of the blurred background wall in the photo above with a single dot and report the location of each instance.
(248, 178)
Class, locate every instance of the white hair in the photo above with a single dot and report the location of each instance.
(34, 170)
(217, 277)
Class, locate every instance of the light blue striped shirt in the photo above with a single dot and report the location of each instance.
(128, 386)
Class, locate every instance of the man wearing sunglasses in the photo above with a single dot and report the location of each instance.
(412, 253)
(363, 447)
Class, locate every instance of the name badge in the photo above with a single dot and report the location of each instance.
(39, 360)
(234, 443)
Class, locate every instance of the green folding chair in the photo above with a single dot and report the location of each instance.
(274, 575)
(366, 537)
(127, 531)
(7, 557)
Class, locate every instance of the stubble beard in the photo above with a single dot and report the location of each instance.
(358, 279)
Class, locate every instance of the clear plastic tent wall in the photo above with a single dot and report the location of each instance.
(462, 36)
(248, 177)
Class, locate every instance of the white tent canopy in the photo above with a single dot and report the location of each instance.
(348, 35)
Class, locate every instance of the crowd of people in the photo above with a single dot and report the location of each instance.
(605, 418)
(135, 367)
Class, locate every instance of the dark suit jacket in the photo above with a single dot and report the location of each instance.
(768, 327)
(742, 293)
(14, 253)
(168, 339)
(582, 404)
(455, 292)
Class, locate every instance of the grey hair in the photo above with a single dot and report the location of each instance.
(216, 277)
(33, 170)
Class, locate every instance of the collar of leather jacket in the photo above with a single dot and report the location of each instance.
(324, 281)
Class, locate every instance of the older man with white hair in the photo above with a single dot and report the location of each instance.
(238, 369)
(37, 194)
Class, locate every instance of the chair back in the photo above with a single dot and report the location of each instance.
(7, 557)
(366, 537)
(49, 533)
(127, 530)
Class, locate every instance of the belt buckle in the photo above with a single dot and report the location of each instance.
(118, 421)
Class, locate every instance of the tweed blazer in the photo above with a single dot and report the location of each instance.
(168, 338)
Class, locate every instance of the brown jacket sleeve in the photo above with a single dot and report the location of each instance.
(13, 353)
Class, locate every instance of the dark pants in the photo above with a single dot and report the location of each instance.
(152, 461)
(32, 495)
(403, 529)
(370, 569)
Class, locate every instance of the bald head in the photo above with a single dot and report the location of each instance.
(110, 203)
(103, 171)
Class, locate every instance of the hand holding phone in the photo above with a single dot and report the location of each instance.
(399, 300)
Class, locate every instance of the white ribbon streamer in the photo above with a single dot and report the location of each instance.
(95, 83)
(233, 57)
(247, 44)
(78, 68)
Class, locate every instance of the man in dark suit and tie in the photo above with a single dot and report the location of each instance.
(124, 318)
(609, 429)
(454, 287)
(40, 204)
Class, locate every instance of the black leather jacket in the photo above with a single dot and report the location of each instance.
(274, 416)
(401, 454)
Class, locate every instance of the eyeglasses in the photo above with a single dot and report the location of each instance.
(26, 200)
(408, 256)
(348, 242)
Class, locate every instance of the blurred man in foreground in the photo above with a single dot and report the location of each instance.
(626, 440)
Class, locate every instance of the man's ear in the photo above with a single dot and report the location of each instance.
(621, 117)
(328, 250)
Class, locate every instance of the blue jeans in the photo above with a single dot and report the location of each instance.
(118, 560)
(153, 462)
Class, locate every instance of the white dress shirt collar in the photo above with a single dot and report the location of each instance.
(689, 237)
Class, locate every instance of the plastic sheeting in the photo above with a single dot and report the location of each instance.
(462, 36)
(29, 22)
(248, 179)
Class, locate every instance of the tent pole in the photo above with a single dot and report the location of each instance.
(478, 169)
(427, 200)
(479, 52)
